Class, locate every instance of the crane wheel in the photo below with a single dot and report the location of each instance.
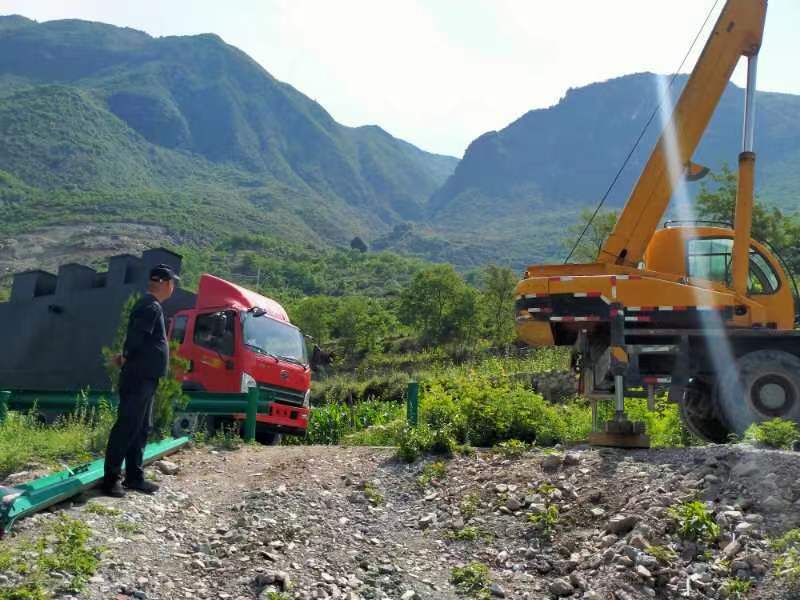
(761, 385)
(699, 413)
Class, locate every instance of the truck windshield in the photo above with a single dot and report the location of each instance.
(274, 337)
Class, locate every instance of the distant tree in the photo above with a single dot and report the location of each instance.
(314, 316)
(440, 306)
(592, 241)
(358, 244)
(497, 297)
(361, 324)
(717, 202)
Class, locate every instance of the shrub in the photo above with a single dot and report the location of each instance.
(373, 494)
(472, 579)
(413, 443)
(736, 588)
(465, 534)
(546, 520)
(695, 522)
(512, 448)
(469, 506)
(775, 433)
(664, 555)
(787, 564)
(435, 471)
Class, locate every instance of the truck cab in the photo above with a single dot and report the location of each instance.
(235, 339)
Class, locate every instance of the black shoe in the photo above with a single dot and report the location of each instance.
(113, 489)
(143, 486)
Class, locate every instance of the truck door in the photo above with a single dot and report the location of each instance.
(214, 352)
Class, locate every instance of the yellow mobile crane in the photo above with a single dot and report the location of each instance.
(704, 312)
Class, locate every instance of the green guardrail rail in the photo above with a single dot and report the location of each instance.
(25, 499)
(251, 403)
(28, 498)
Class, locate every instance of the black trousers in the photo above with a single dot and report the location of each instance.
(129, 435)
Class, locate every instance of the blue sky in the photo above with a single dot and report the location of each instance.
(439, 73)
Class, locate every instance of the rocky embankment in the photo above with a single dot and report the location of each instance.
(327, 522)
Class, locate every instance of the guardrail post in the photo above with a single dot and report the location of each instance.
(252, 410)
(4, 398)
(412, 404)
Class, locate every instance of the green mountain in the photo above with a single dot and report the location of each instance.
(114, 140)
(519, 188)
(108, 124)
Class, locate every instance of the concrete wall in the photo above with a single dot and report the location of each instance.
(53, 327)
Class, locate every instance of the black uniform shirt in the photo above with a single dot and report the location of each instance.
(146, 350)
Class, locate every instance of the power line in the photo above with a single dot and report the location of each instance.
(641, 136)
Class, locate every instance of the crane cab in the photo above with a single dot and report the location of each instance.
(702, 255)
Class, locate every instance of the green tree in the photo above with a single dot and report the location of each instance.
(362, 324)
(315, 316)
(115, 349)
(497, 297)
(440, 306)
(717, 202)
(592, 241)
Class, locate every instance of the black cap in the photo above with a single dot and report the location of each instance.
(163, 273)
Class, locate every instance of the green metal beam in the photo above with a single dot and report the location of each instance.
(36, 495)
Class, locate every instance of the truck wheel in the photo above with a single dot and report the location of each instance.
(761, 385)
(699, 413)
(266, 437)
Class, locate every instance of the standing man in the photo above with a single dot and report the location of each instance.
(144, 361)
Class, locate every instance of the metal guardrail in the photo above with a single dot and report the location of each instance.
(31, 497)
(209, 403)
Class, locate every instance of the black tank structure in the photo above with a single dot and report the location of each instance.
(53, 327)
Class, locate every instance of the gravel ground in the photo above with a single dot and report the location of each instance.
(331, 522)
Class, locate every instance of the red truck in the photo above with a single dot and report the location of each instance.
(55, 326)
(235, 339)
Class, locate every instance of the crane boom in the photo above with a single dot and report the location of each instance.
(738, 32)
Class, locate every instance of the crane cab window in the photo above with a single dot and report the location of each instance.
(710, 259)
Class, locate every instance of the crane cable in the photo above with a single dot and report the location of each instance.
(639, 139)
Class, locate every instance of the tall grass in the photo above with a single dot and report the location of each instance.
(27, 442)
(480, 403)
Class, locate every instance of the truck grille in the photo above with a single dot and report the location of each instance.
(283, 395)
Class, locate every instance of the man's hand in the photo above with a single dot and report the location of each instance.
(119, 360)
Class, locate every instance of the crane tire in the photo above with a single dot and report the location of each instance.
(760, 385)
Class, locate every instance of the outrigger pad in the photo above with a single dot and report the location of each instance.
(619, 440)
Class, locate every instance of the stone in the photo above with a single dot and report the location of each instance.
(502, 557)
(561, 587)
(621, 524)
(497, 590)
(594, 496)
(501, 488)
(638, 541)
(608, 540)
(597, 512)
(551, 462)
(592, 595)
(732, 549)
(409, 595)
(773, 504)
(643, 572)
(571, 459)
(537, 509)
(167, 467)
(744, 528)
(513, 504)
(427, 520)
